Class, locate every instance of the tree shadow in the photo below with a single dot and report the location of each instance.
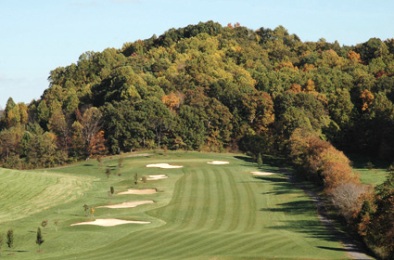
(332, 248)
(281, 184)
(312, 228)
(245, 158)
(293, 207)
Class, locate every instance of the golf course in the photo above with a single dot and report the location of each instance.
(175, 205)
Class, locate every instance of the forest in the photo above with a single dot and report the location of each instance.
(209, 87)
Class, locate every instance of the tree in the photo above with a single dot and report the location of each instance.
(11, 114)
(259, 160)
(91, 211)
(1, 241)
(86, 209)
(347, 197)
(39, 238)
(10, 238)
(58, 125)
(91, 125)
(97, 144)
(108, 172)
(136, 179)
(381, 226)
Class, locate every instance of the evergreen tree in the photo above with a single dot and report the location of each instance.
(39, 239)
(10, 238)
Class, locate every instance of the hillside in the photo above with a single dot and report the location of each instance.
(209, 87)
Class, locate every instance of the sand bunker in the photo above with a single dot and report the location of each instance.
(156, 177)
(110, 222)
(138, 192)
(131, 204)
(261, 173)
(164, 166)
(218, 162)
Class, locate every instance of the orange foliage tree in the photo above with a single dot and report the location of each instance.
(97, 144)
(172, 100)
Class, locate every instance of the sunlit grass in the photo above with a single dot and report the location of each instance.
(201, 211)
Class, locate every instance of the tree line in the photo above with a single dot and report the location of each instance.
(210, 87)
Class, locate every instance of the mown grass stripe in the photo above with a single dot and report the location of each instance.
(221, 206)
(207, 207)
(237, 210)
(190, 201)
(250, 223)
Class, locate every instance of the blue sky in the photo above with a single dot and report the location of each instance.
(41, 35)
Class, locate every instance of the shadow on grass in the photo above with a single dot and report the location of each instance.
(280, 183)
(312, 228)
(244, 158)
(333, 248)
(294, 207)
(88, 165)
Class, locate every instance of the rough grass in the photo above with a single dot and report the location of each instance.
(372, 176)
(201, 211)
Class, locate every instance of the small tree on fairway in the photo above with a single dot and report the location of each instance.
(259, 159)
(120, 162)
(10, 238)
(39, 239)
(91, 211)
(100, 161)
(56, 222)
(136, 179)
(86, 209)
(1, 241)
(111, 189)
(108, 172)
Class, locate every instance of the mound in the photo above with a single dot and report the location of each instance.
(110, 222)
(138, 192)
(218, 162)
(164, 166)
(156, 177)
(131, 204)
(262, 173)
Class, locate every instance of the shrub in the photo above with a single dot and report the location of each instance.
(348, 198)
(10, 238)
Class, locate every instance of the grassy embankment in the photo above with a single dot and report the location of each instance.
(201, 211)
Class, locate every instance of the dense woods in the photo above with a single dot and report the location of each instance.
(210, 87)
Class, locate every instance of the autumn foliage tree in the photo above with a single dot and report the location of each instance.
(319, 161)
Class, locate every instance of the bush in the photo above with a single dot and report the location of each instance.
(348, 198)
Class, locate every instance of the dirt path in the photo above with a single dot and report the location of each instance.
(353, 248)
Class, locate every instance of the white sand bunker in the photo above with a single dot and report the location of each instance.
(156, 177)
(164, 166)
(218, 162)
(257, 174)
(109, 222)
(138, 192)
(131, 204)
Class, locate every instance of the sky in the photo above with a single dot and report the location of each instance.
(37, 36)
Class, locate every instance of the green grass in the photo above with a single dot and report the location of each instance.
(372, 176)
(201, 212)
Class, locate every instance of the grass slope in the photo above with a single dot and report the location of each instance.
(201, 211)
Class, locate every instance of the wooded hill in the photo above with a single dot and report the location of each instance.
(213, 88)
(208, 87)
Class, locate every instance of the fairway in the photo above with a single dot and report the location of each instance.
(201, 211)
